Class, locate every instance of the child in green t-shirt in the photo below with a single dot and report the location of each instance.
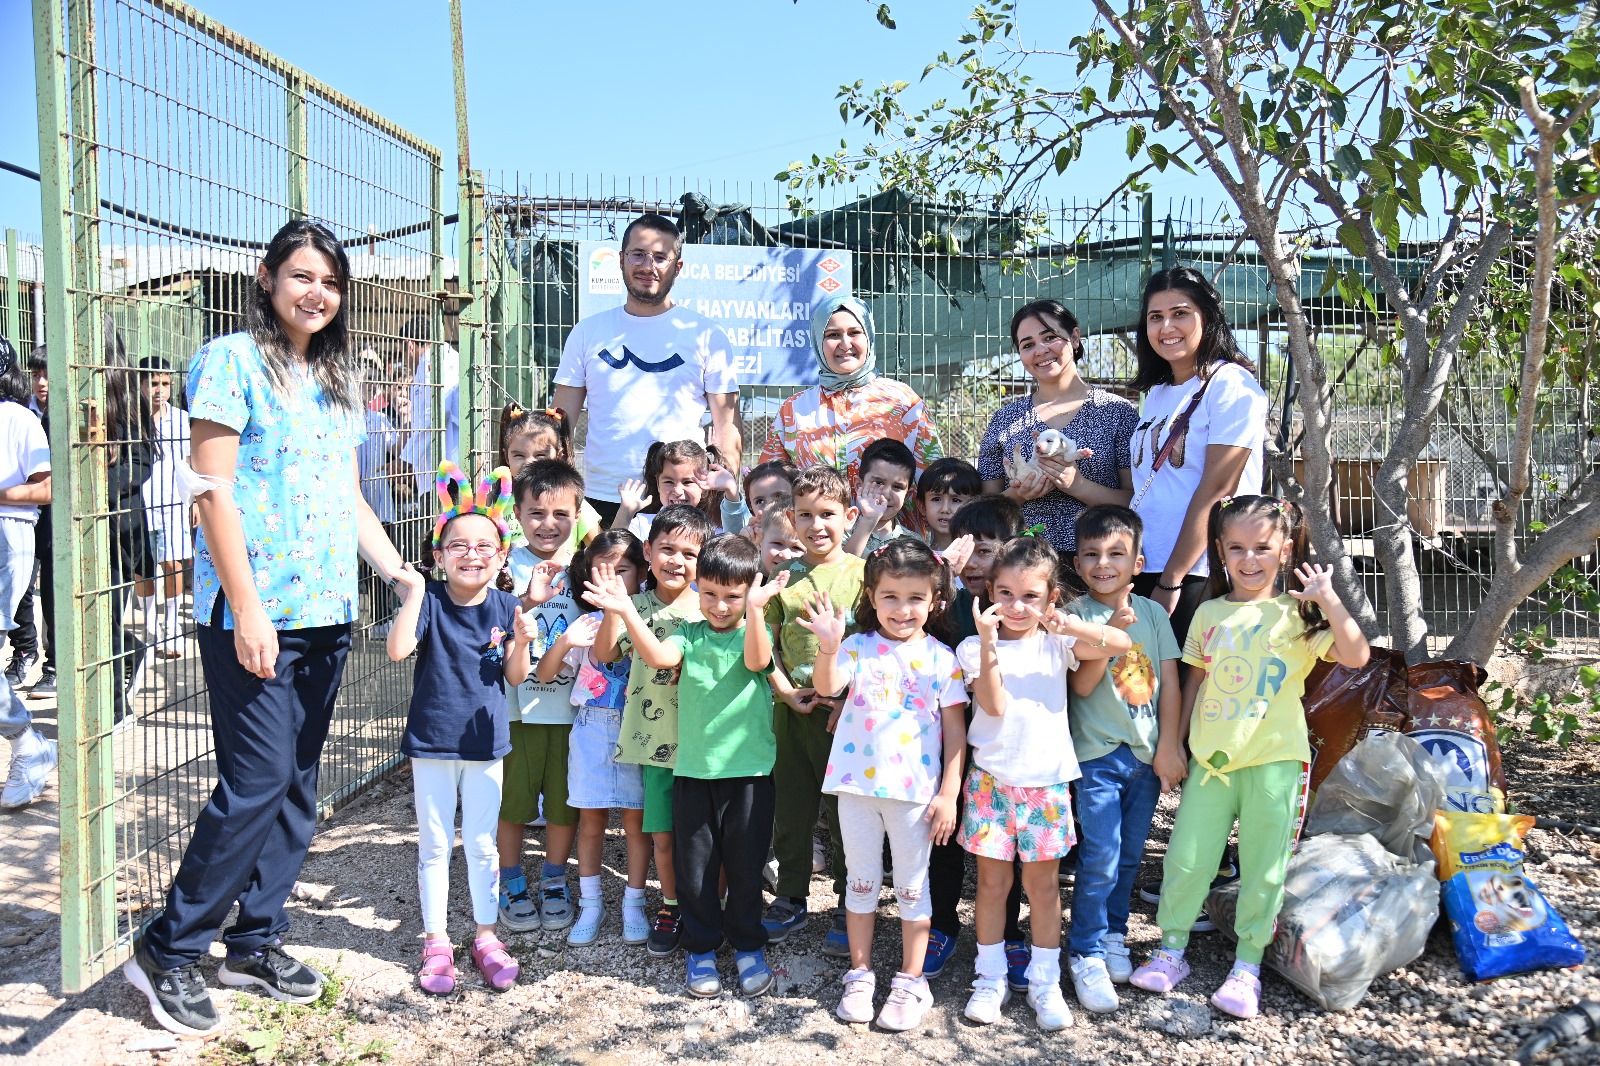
(822, 514)
(649, 734)
(1120, 706)
(722, 795)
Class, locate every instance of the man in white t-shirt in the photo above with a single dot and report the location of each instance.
(650, 370)
(416, 448)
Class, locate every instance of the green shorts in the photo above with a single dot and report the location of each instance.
(537, 766)
(657, 799)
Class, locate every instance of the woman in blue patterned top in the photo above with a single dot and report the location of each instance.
(275, 422)
(1047, 339)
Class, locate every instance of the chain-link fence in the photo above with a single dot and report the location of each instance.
(943, 286)
(171, 151)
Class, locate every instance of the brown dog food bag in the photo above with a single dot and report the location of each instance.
(1342, 705)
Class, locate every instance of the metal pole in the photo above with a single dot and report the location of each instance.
(13, 295)
(298, 148)
(469, 208)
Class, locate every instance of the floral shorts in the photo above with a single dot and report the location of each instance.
(1006, 822)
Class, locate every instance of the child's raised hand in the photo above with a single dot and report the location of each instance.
(1124, 616)
(526, 629)
(407, 581)
(542, 583)
(718, 477)
(581, 633)
(941, 818)
(958, 553)
(1316, 580)
(763, 591)
(988, 622)
(873, 506)
(825, 622)
(635, 495)
(605, 589)
(1054, 620)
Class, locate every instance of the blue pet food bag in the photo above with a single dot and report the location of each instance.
(1502, 925)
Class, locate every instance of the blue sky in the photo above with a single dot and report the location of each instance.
(724, 89)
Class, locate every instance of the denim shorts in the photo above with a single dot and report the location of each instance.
(595, 780)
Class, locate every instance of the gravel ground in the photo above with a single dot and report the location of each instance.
(357, 914)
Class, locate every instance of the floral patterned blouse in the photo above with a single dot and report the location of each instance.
(295, 488)
(817, 428)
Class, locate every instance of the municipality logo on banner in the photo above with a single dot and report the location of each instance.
(761, 297)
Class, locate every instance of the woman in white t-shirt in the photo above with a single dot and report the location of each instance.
(167, 514)
(1200, 433)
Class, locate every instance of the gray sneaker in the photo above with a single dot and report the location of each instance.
(279, 974)
(179, 1000)
(555, 904)
(45, 687)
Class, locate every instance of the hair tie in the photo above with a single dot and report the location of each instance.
(516, 413)
(879, 550)
(491, 498)
(1036, 530)
(556, 413)
(1226, 501)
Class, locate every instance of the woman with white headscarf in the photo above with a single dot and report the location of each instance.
(832, 422)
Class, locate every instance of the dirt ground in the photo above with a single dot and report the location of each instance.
(356, 916)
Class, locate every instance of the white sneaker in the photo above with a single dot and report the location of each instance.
(32, 759)
(856, 1003)
(591, 915)
(635, 923)
(1118, 963)
(989, 994)
(819, 857)
(769, 874)
(1093, 986)
(1049, 1005)
(909, 1000)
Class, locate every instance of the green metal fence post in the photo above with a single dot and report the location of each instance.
(469, 206)
(13, 294)
(298, 148)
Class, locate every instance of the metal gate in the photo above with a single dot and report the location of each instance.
(171, 151)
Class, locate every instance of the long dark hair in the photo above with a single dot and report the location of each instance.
(1290, 521)
(682, 451)
(907, 557)
(14, 383)
(1217, 343)
(1054, 314)
(129, 420)
(332, 363)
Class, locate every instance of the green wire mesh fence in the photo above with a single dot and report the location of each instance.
(172, 150)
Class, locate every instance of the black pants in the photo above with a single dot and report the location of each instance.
(721, 825)
(947, 875)
(252, 837)
(1189, 600)
(28, 638)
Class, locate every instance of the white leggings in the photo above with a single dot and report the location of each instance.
(863, 821)
(436, 784)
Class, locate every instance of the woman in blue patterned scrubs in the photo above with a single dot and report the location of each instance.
(276, 418)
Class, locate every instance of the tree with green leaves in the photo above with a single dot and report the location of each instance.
(1361, 114)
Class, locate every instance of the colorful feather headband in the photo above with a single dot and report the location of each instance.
(492, 499)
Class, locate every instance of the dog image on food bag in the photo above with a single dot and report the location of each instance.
(1506, 903)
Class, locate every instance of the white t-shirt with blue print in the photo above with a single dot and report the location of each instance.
(294, 488)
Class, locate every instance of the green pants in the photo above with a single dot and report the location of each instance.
(1269, 803)
(803, 746)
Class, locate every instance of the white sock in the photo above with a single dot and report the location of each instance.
(147, 604)
(169, 615)
(589, 887)
(1045, 967)
(991, 963)
(633, 897)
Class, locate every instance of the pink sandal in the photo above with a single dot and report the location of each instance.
(495, 962)
(1240, 994)
(438, 974)
(1161, 974)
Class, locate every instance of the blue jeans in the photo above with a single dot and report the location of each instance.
(16, 573)
(1117, 797)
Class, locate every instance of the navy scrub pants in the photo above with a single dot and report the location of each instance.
(251, 839)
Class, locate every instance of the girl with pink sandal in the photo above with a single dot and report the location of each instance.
(1251, 647)
(471, 640)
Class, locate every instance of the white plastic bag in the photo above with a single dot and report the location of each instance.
(1388, 785)
(1351, 912)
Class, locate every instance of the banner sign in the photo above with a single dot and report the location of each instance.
(761, 297)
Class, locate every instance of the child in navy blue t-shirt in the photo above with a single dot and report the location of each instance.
(471, 641)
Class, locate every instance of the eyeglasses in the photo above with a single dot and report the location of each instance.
(639, 257)
(459, 549)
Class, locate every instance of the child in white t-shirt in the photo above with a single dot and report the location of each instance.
(1018, 804)
(895, 764)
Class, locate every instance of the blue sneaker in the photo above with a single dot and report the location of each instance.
(837, 942)
(1018, 956)
(783, 917)
(940, 947)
